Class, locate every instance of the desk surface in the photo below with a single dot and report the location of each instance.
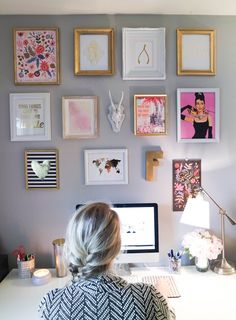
(203, 295)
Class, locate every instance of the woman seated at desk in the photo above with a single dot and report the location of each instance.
(93, 241)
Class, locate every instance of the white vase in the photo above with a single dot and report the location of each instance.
(202, 264)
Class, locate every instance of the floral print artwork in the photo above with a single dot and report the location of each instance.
(186, 181)
(36, 56)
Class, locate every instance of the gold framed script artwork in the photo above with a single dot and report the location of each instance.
(94, 51)
(196, 52)
(144, 53)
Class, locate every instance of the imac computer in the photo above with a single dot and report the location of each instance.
(139, 233)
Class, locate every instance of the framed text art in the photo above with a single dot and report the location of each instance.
(36, 56)
(150, 113)
(198, 115)
(80, 117)
(144, 54)
(186, 181)
(94, 51)
(41, 169)
(106, 166)
(30, 117)
(196, 52)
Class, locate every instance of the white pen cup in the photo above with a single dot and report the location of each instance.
(174, 265)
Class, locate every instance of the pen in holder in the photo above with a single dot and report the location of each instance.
(174, 261)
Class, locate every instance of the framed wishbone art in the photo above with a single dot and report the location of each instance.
(41, 169)
(94, 51)
(106, 166)
(36, 56)
(144, 54)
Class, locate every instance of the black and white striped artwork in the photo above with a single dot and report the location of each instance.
(41, 169)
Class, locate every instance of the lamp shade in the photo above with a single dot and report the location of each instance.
(196, 213)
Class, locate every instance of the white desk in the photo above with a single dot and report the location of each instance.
(203, 295)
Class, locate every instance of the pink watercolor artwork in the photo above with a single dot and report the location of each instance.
(80, 118)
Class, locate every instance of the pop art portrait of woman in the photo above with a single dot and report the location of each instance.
(198, 115)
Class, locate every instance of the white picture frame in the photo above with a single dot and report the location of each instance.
(106, 166)
(187, 132)
(144, 53)
(30, 118)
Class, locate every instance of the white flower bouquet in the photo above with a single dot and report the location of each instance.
(201, 243)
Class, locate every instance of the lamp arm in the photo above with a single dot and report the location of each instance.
(221, 210)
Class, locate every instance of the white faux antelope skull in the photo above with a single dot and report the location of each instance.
(116, 113)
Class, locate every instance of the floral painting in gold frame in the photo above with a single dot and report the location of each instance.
(36, 56)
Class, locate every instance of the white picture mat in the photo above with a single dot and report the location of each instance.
(144, 53)
(196, 52)
(30, 116)
(94, 53)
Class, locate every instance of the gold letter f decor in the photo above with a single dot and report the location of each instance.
(151, 162)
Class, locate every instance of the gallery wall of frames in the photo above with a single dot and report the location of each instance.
(85, 99)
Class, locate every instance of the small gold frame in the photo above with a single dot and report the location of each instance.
(50, 180)
(150, 114)
(94, 51)
(196, 52)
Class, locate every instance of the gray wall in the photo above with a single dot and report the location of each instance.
(35, 218)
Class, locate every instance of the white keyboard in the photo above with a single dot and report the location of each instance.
(166, 280)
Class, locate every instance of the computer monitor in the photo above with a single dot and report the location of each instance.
(139, 232)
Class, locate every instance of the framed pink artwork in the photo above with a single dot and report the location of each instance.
(80, 117)
(186, 181)
(198, 115)
(36, 56)
(150, 113)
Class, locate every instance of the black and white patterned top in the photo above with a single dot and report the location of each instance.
(105, 297)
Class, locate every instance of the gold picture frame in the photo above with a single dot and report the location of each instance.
(42, 169)
(80, 117)
(36, 56)
(94, 52)
(150, 114)
(196, 52)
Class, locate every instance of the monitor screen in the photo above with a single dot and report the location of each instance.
(139, 232)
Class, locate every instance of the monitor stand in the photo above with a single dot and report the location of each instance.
(122, 269)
